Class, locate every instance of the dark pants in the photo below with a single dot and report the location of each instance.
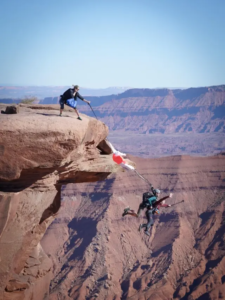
(141, 207)
(149, 216)
(61, 102)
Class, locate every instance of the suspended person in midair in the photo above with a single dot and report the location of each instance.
(151, 204)
(148, 199)
(70, 98)
(154, 210)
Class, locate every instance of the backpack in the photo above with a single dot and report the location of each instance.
(145, 198)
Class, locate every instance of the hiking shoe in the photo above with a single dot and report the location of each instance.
(146, 232)
(125, 211)
(79, 118)
(140, 227)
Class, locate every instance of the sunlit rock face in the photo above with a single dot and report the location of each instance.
(98, 254)
(39, 152)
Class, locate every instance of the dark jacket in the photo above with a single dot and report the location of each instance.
(69, 94)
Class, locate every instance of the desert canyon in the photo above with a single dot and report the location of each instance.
(62, 234)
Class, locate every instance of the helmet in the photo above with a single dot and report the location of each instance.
(155, 191)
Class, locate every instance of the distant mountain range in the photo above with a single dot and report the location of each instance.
(198, 110)
(147, 111)
(159, 122)
(41, 92)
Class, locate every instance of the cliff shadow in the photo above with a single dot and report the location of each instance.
(98, 196)
(85, 229)
(53, 208)
(103, 195)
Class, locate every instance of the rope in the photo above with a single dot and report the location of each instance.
(93, 111)
(142, 177)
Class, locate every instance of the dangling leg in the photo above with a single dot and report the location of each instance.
(128, 211)
(142, 226)
(150, 221)
(141, 207)
(125, 211)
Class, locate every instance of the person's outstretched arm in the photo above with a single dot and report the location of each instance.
(158, 202)
(164, 205)
(82, 98)
(166, 197)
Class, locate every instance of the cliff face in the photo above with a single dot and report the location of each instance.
(40, 152)
(93, 250)
(98, 254)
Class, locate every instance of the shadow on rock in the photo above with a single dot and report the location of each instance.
(85, 229)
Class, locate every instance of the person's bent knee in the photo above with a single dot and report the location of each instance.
(149, 225)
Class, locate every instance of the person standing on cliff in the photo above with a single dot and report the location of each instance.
(69, 97)
(152, 207)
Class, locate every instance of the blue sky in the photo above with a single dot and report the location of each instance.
(103, 43)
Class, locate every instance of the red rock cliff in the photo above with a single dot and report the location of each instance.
(98, 254)
(39, 152)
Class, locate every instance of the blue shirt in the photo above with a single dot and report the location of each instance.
(151, 200)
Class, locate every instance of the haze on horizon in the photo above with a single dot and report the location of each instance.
(101, 44)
